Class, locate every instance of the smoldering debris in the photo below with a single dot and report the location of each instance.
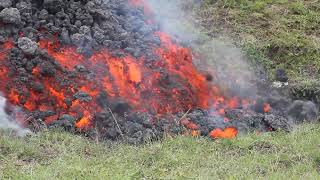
(125, 70)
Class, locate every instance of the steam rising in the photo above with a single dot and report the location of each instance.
(226, 63)
(6, 121)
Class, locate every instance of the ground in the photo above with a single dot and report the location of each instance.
(59, 155)
(275, 33)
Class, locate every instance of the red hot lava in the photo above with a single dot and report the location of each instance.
(175, 85)
(127, 78)
(227, 133)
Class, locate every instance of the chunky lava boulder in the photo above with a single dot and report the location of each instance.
(10, 15)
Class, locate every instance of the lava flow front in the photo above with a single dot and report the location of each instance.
(175, 85)
(56, 81)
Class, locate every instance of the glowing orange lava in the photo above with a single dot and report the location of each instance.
(84, 122)
(227, 133)
(266, 107)
(182, 87)
(170, 84)
(67, 57)
(190, 125)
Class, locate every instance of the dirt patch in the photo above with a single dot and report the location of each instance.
(264, 147)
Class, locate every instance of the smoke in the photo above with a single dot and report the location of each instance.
(226, 63)
(7, 123)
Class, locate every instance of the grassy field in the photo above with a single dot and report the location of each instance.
(57, 155)
(277, 33)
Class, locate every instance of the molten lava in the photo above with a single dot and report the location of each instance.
(266, 107)
(171, 84)
(84, 122)
(178, 88)
(227, 133)
(188, 124)
(4, 51)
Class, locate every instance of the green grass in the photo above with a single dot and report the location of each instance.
(276, 33)
(58, 155)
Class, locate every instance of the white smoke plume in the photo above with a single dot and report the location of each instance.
(227, 63)
(7, 123)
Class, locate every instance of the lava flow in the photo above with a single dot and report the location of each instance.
(58, 81)
(175, 86)
(4, 51)
(227, 133)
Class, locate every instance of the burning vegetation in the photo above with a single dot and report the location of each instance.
(107, 69)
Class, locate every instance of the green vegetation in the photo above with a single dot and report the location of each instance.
(57, 155)
(277, 33)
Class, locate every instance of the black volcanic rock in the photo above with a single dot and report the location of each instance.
(27, 45)
(281, 75)
(53, 6)
(5, 3)
(10, 15)
(278, 122)
(65, 121)
(47, 69)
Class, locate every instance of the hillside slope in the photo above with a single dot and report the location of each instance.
(279, 34)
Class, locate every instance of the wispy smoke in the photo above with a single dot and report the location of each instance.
(227, 64)
(7, 123)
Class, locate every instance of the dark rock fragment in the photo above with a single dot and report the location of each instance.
(5, 3)
(78, 39)
(53, 6)
(25, 9)
(65, 37)
(68, 118)
(10, 16)
(37, 87)
(83, 41)
(47, 69)
(111, 133)
(82, 96)
(120, 107)
(27, 45)
(132, 128)
(281, 75)
(278, 122)
(43, 14)
(65, 121)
